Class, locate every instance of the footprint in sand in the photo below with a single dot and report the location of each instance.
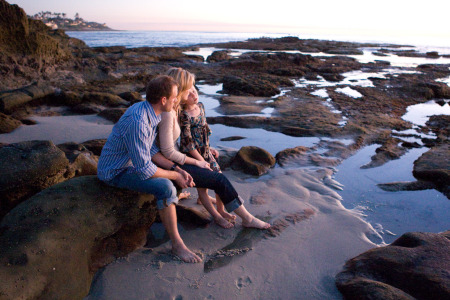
(243, 282)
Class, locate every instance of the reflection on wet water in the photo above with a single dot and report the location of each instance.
(391, 212)
(61, 129)
(419, 114)
(366, 57)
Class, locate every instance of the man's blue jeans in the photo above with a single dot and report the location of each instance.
(162, 188)
(204, 178)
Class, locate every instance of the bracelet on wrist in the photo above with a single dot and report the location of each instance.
(174, 167)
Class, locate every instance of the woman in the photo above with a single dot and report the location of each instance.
(204, 178)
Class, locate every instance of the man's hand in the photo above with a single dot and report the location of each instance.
(186, 178)
(215, 153)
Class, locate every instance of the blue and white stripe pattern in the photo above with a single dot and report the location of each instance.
(130, 146)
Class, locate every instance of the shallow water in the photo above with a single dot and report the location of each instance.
(61, 129)
(396, 212)
(419, 114)
(367, 56)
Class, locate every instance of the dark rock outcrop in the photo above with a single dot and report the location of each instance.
(434, 166)
(29, 50)
(104, 99)
(95, 146)
(440, 125)
(226, 156)
(286, 155)
(112, 114)
(217, 56)
(22, 36)
(415, 266)
(253, 160)
(131, 97)
(53, 243)
(87, 109)
(8, 124)
(82, 161)
(14, 99)
(390, 150)
(300, 157)
(249, 86)
(68, 98)
(27, 168)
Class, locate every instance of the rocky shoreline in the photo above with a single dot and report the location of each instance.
(41, 67)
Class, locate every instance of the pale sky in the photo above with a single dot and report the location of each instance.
(372, 18)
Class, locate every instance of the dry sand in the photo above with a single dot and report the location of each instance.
(317, 235)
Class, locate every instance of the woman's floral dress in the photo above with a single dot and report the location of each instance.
(195, 134)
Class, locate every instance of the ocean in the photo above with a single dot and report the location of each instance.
(133, 39)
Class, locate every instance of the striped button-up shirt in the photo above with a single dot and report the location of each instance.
(130, 146)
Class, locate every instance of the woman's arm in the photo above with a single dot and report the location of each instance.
(167, 144)
(194, 153)
(166, 141)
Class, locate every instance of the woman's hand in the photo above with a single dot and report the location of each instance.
(215, 153)
(203, 164)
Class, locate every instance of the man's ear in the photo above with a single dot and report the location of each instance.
(163, 100)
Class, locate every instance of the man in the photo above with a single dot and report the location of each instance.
(129, 156)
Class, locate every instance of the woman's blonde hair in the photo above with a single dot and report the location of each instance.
(185, 80)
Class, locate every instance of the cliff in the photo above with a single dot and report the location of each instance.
(30, 43)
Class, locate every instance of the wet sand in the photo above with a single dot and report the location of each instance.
(313, 236)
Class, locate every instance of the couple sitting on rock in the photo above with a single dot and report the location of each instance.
(136, 158)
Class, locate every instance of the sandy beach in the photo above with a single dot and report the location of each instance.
(300, 262)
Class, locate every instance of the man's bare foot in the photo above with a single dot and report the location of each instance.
(255, 223)
(185, 254)
(228, 216)
(224, 223)
(184, 195)
(213, 200)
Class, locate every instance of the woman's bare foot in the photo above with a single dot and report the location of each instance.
(185, 254)
(184, 195)
(255, 223)
(228, 216)
(213, 200)
(224, 223)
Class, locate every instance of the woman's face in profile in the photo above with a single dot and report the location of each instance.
(185, 94)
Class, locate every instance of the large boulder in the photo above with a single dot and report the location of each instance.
(253, 160)
(14, 99)
(8, 124)
(104, 99)
(286, 156)
(95, 146)
(11, 100)
(67, 98)
(52, 244)
(249, 86)
(440, 125)
(300, 156)
(82, 161)
(132, 97)
(434, 166)
(27, 168)
(415, 266)
(112, 114)
(217, 56)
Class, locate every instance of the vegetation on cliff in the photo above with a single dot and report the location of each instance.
(60, 21)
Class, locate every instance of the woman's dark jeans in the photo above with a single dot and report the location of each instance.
(204, 178)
